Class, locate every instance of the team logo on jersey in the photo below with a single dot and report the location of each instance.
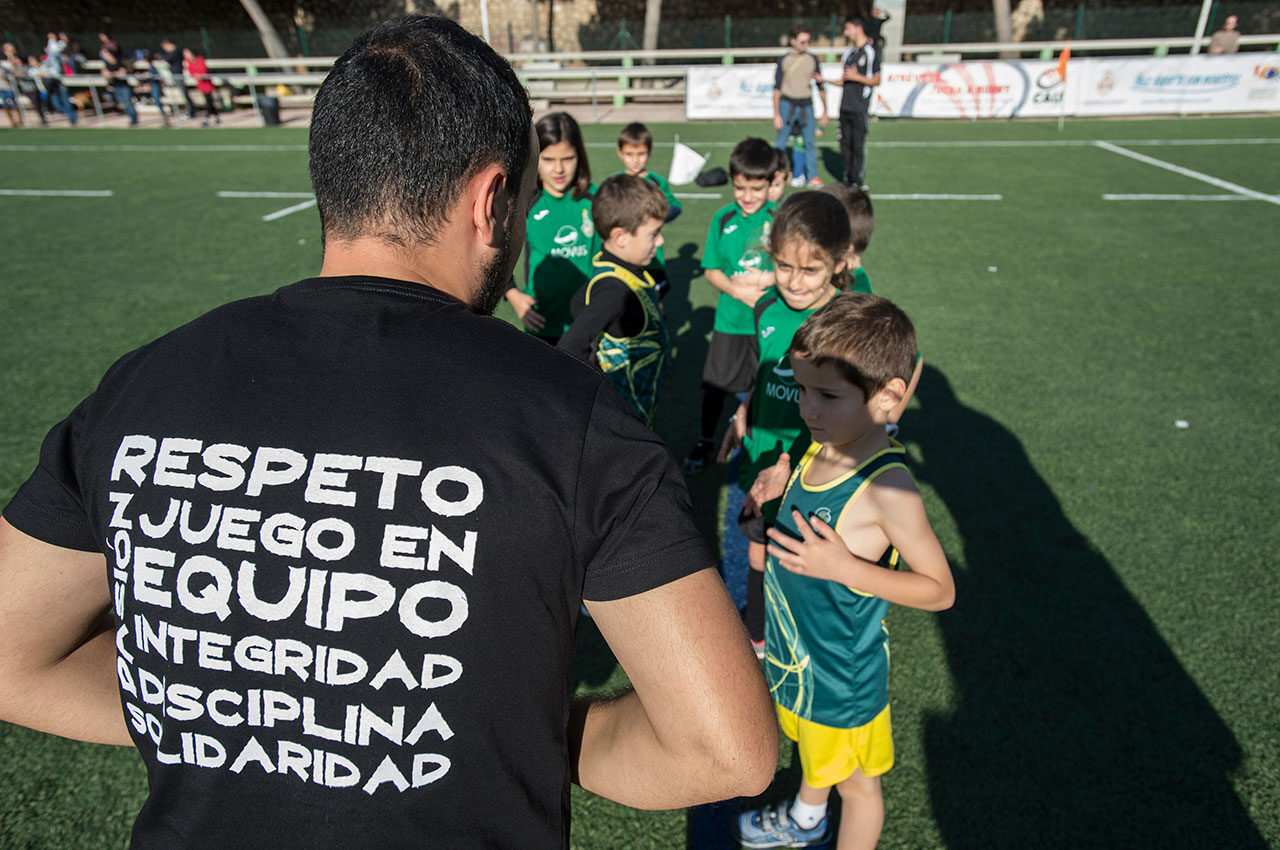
(783, 369)
(730, 229)
(752, 259)
(541, 214)
(764, 334)
(566, 235)
(823, 513)
(588, 229)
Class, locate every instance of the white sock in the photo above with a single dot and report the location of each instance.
(807, 816)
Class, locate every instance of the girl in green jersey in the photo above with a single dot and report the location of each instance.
(560, 238)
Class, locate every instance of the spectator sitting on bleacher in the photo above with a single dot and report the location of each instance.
(196, 67)
(170, 53)
(118, 77)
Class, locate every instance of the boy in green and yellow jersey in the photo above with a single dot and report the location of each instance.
(851, 516)
(617, 316)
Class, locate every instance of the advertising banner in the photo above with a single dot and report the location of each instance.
(1243, 82)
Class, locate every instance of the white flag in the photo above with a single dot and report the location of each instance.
(685, 165)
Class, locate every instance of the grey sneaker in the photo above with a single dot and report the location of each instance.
(702, 452)
(772, 826)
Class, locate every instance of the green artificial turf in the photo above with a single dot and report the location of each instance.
(1107, 677)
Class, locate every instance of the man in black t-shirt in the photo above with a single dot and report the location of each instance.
(860, 75)
(319, 555)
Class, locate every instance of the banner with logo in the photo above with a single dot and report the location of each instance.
(1240, 82)
(1243, 82)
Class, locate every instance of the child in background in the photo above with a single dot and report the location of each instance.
(735, 243)
(619, 311)
(635, 146)
(852, 515)
(781, 174)
(862, 223)
(560, 237)
(809, 243)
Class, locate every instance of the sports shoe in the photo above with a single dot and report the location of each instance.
(772, 826)
(815, 183)
(702, 452)
(891, 430)
(797, 181)
(758, 646)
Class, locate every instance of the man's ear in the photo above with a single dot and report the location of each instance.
(490, 200)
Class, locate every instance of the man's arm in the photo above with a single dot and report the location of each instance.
(57, 650)
(777, 109)
(699, 725)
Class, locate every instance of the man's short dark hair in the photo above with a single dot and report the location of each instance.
(753, 159)
(407, 116)
(626, 201)
(858, 21)
(636, 134)
(800, 27)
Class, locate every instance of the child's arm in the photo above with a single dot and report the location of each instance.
(740, 290)
(736, 432)
(605, 304)
(823, 553)
(522, 302)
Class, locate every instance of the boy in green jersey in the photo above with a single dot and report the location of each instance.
(850, 510)
(560, 237)
(736, 241)
(617, 316)
(635, 146)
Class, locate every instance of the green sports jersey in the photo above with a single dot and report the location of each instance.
(774, 419)
(826, 645)
(561, 242)
(861, 281)
(738, 243)
(659, 262)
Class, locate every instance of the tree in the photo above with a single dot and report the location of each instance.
(270, 38)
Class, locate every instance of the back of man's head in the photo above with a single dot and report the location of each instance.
(408, 115)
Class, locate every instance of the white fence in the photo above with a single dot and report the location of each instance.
(937, 84)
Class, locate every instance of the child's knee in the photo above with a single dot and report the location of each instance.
(859, 787)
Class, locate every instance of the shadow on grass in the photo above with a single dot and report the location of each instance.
(1075, 725)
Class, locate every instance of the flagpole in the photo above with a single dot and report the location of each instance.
(1063, 58)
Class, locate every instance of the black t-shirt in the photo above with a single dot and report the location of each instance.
(865, 60)
(348, 526)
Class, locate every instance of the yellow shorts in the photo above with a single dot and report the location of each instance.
(829, 756)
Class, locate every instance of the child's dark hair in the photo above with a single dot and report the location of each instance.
(560, 127)
(753, 159)
(626, 201)
(865, 337)
(862, 218)
(817, 218)
(782, 162)
(636, 134)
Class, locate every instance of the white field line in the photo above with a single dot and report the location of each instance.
(1176, 198)
(926, 196)
(152, 148)
(56, 193)
(277, 195)
(693, 196)
(289, 210)
(1187, 172)
(1030, 143)
(1039, 143)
